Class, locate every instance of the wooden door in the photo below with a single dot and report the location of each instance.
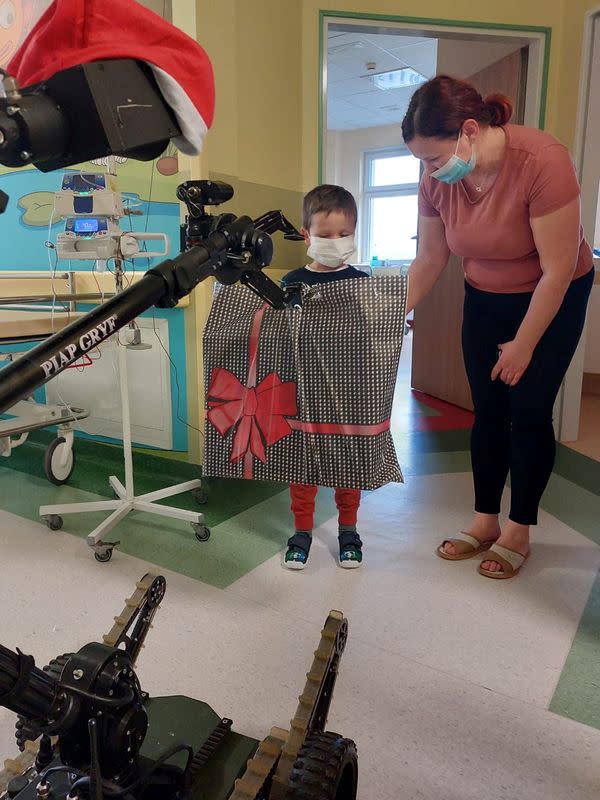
(437, 362)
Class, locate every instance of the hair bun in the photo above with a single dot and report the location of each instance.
(499, 108)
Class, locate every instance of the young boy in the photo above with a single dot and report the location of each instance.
(329, 218)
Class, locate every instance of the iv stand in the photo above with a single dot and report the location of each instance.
(126, 501)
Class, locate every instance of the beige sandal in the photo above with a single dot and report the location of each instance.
(510, 562)
(465, 546)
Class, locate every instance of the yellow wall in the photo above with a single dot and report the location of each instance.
(256, 139)
(571, 36)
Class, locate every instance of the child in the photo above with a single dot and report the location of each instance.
(329, 218)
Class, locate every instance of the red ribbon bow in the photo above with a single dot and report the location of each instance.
(259, 413)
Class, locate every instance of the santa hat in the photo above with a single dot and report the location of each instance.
(73, 32)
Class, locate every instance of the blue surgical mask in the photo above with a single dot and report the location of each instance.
(455, 169)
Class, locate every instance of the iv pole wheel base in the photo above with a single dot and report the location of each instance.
(53, 521)
(57, 472)
(201, 531)
(326, 769)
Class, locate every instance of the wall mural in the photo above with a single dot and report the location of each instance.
(17, 17)
(149, 193)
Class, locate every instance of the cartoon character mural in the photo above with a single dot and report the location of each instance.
(17, 17)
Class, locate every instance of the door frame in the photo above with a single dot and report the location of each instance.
(539, 39)
(570, 397)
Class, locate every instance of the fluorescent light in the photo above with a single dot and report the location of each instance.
(398, 78)
(343, 48)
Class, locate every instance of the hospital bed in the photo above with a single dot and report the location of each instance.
(27, 319)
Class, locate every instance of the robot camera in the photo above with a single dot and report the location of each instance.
(197, 194)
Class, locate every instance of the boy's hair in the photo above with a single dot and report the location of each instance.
(328, 198)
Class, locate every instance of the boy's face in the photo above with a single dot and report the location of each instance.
(329, 225)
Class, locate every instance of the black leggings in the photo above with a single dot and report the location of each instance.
(513, 425)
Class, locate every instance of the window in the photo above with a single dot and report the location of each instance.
(390, 188)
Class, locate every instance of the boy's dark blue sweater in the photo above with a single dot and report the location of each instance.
(310, 277)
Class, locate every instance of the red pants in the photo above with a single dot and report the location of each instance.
(303, 505)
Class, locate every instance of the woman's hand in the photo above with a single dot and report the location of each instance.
(513, 361)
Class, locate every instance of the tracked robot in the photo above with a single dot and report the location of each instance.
(87, 729)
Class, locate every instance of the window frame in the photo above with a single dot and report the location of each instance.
(369, 192)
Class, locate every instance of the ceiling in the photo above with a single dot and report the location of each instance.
(353, 101)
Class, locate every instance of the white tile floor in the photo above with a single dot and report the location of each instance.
(446, 678)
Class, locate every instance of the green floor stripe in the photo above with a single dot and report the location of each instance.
(577, 695)
(262, 532)
(238, 545)
(425, 410)
(576, 507)
(436, 463)
(412, 442)
(577, 468)
(95, 462)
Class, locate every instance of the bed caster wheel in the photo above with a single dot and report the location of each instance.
(103, 555)
(200, 497)
(201, 531)
(54, 522)
(57, 472)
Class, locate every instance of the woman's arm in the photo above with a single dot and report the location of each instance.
(556, 237)
(432, 258)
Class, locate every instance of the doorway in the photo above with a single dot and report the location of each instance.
(580, 410)
(370, 69)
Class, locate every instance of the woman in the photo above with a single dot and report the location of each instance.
(506, 199)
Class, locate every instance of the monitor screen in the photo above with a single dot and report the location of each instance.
(86, 225)
(87, 182)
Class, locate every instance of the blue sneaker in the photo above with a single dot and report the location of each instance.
(350, 550)
(298, 548)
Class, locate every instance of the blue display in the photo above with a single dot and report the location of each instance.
(84, 183)
(86, 226)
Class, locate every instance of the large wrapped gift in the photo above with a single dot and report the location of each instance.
(305, 395)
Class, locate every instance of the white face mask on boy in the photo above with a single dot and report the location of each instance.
(331, 252)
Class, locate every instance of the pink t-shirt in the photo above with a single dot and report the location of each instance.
(492, 233)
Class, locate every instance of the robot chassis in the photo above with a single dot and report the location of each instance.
(86, 728)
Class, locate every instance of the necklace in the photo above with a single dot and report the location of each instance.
(479, 187)
(488, 178)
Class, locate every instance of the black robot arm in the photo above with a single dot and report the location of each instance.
(274, 221)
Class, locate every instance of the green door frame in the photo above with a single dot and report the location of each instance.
(428, 23)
